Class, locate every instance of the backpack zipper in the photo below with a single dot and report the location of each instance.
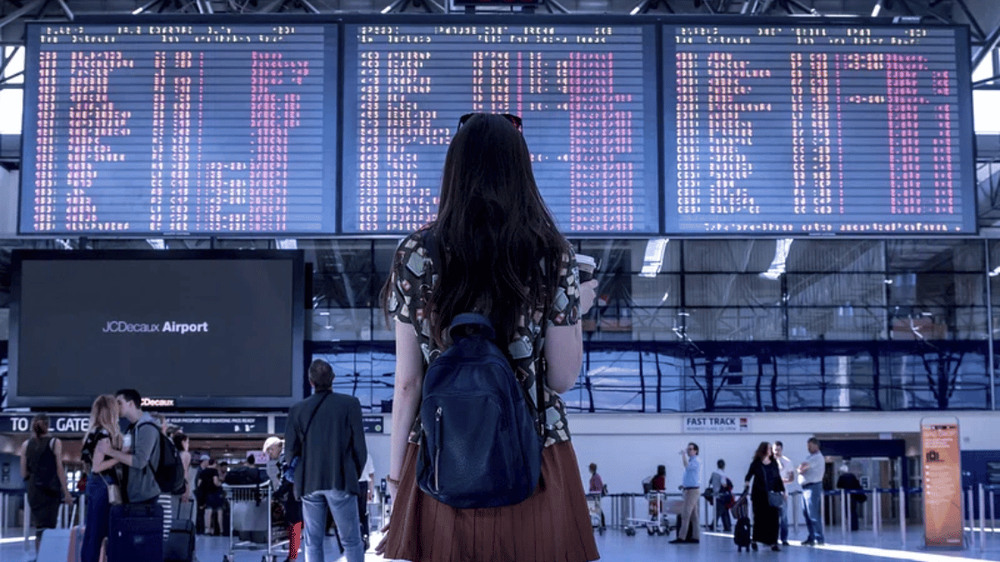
(437, 449)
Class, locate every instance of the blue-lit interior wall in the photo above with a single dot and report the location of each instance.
(856, 324)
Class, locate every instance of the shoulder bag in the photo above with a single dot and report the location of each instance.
(301, 458)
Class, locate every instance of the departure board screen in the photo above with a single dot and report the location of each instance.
(813, 129)
(179, 128)
(586, 94)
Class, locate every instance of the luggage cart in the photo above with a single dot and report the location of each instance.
(250, 496)
(596, 512)
(657, 522)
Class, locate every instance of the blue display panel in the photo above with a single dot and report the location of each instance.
(179, 128)
(586, 94)
(794, 129)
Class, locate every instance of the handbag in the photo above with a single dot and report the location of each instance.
(114, 494)
(775, 499)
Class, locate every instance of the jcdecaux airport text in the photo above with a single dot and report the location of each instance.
(170, 326)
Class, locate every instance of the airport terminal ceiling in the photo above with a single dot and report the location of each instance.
(983, 16)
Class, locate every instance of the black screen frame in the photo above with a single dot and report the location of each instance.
(297, 328)
(659, 22)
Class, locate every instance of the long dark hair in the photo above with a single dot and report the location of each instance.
(498, 244)
(40, 425)
(763, 450)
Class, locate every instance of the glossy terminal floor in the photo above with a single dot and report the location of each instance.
(615, 546)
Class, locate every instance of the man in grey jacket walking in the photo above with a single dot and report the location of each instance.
(324, 431)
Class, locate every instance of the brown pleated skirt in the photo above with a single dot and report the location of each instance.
(553, 525)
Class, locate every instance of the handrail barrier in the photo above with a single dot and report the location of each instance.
(622, 509)
(986, 495)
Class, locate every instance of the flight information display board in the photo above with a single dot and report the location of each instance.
(636, 126)
(813, 129)
(179, 128)
(586, 94)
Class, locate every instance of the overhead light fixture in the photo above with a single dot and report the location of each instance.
(652, 261)
(287, 244)
(995, 271)
(877, 9)
(777, 268)
(156, 243)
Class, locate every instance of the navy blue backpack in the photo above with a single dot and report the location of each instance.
(480, 445)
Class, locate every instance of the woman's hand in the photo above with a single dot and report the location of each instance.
(382, 544)
(588, 294)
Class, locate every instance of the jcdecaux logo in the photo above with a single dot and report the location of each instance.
(170, 326)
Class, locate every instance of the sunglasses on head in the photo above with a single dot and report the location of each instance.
(514, 119)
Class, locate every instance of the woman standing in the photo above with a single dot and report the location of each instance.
(596, 483)
(210, 484)
(659, 481)
(766, 479)
(102, 475)
(496, 252)
(42, 469)
(183, 445)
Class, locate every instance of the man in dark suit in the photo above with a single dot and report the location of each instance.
(324, 431)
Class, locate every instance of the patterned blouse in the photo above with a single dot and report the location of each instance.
(412, 277)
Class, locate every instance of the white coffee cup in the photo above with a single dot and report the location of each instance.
(587, 266)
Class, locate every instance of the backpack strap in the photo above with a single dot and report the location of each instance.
(302, 454)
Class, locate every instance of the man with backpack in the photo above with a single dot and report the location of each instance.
(326, 442)
(139, 449)
(136, 530)
(722, 494)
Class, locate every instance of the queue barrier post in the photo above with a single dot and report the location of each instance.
(844, 514)
(902, 515)
(876, 512)
(970, 514)
(982, 518)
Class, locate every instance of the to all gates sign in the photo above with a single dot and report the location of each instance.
(57, 423)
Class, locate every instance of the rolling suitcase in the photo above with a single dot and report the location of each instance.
(690, 533)
(62, 544)
(135, 532)
(742, 535)
(180, 542)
